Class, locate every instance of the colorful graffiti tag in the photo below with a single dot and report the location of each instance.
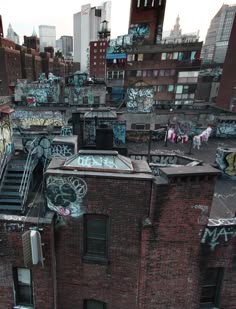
(6, 144)
(25, 119)
(226, 160)
(226, 129)
(65, 195)
(140, 31)
(140, 99)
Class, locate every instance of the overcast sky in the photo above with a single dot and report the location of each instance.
(24, 15)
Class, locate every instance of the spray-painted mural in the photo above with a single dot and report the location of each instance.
(226, 161)
(6, 144)
(25, 119)
(140, 99)
(119, 131)
(38, 93)
(65, 195)
(140, 32)
(86, 95)
(226, 129)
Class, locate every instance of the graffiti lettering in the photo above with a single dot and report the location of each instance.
(221, 222)
(62, 150)
(212, 236)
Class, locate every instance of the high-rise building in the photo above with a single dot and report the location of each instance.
(226, 98)
(65, 45)
(47, 36)
(86, 27)
(146, 20)
(216, 43)
(12, 35)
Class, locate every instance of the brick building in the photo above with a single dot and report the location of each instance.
(226, 98)
(166, 74)
(97, 61)
(10, 68)
(117, 237)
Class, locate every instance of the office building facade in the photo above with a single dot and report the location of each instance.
(86, 27)
(217, 39)
(47, 36)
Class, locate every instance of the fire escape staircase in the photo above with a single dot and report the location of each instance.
(16, 179)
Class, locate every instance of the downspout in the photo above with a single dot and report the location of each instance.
(147, 224)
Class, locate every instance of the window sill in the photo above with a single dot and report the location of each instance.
(95, 260)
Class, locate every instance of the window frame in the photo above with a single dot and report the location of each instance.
(18, 285)
(94, 257)
(216, 285)
(86, 303)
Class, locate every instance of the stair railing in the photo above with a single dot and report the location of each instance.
(3, 163)
(30, 164)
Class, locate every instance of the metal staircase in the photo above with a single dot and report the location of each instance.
(16, 181)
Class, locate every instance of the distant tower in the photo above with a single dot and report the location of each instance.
(12, 35)
(146, 20)
(176, 31)
(32, 41)
(1, 27)
(218, 34)
(47, 36)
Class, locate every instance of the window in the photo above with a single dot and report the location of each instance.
(97, 100)
(94, 304)
(95, 44)
(140, 57)
(211, 287)
(85, 100)
(96, 237)
(23, 286)
(138, 3)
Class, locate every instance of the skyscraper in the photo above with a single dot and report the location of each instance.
(47, 36)
(12, 35)
(65, 45)
(86, 27)
(218, 34)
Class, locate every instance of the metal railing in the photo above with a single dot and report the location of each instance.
(3, 163)
(30, 164)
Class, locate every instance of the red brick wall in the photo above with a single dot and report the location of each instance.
(126, 202)
(172, 251)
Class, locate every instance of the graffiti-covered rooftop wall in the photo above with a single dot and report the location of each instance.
(45, 90)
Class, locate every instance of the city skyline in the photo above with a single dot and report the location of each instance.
(29, 19)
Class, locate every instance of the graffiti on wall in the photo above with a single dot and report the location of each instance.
(226, 129)
(213, 236)
(65, 195)
(67, 131)
(6, 145)
(140, 99)
(60, 150)
(25, 119)
(203, 217)
(119, 131)
(139, 31)
(226, 160)
(37, 93)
